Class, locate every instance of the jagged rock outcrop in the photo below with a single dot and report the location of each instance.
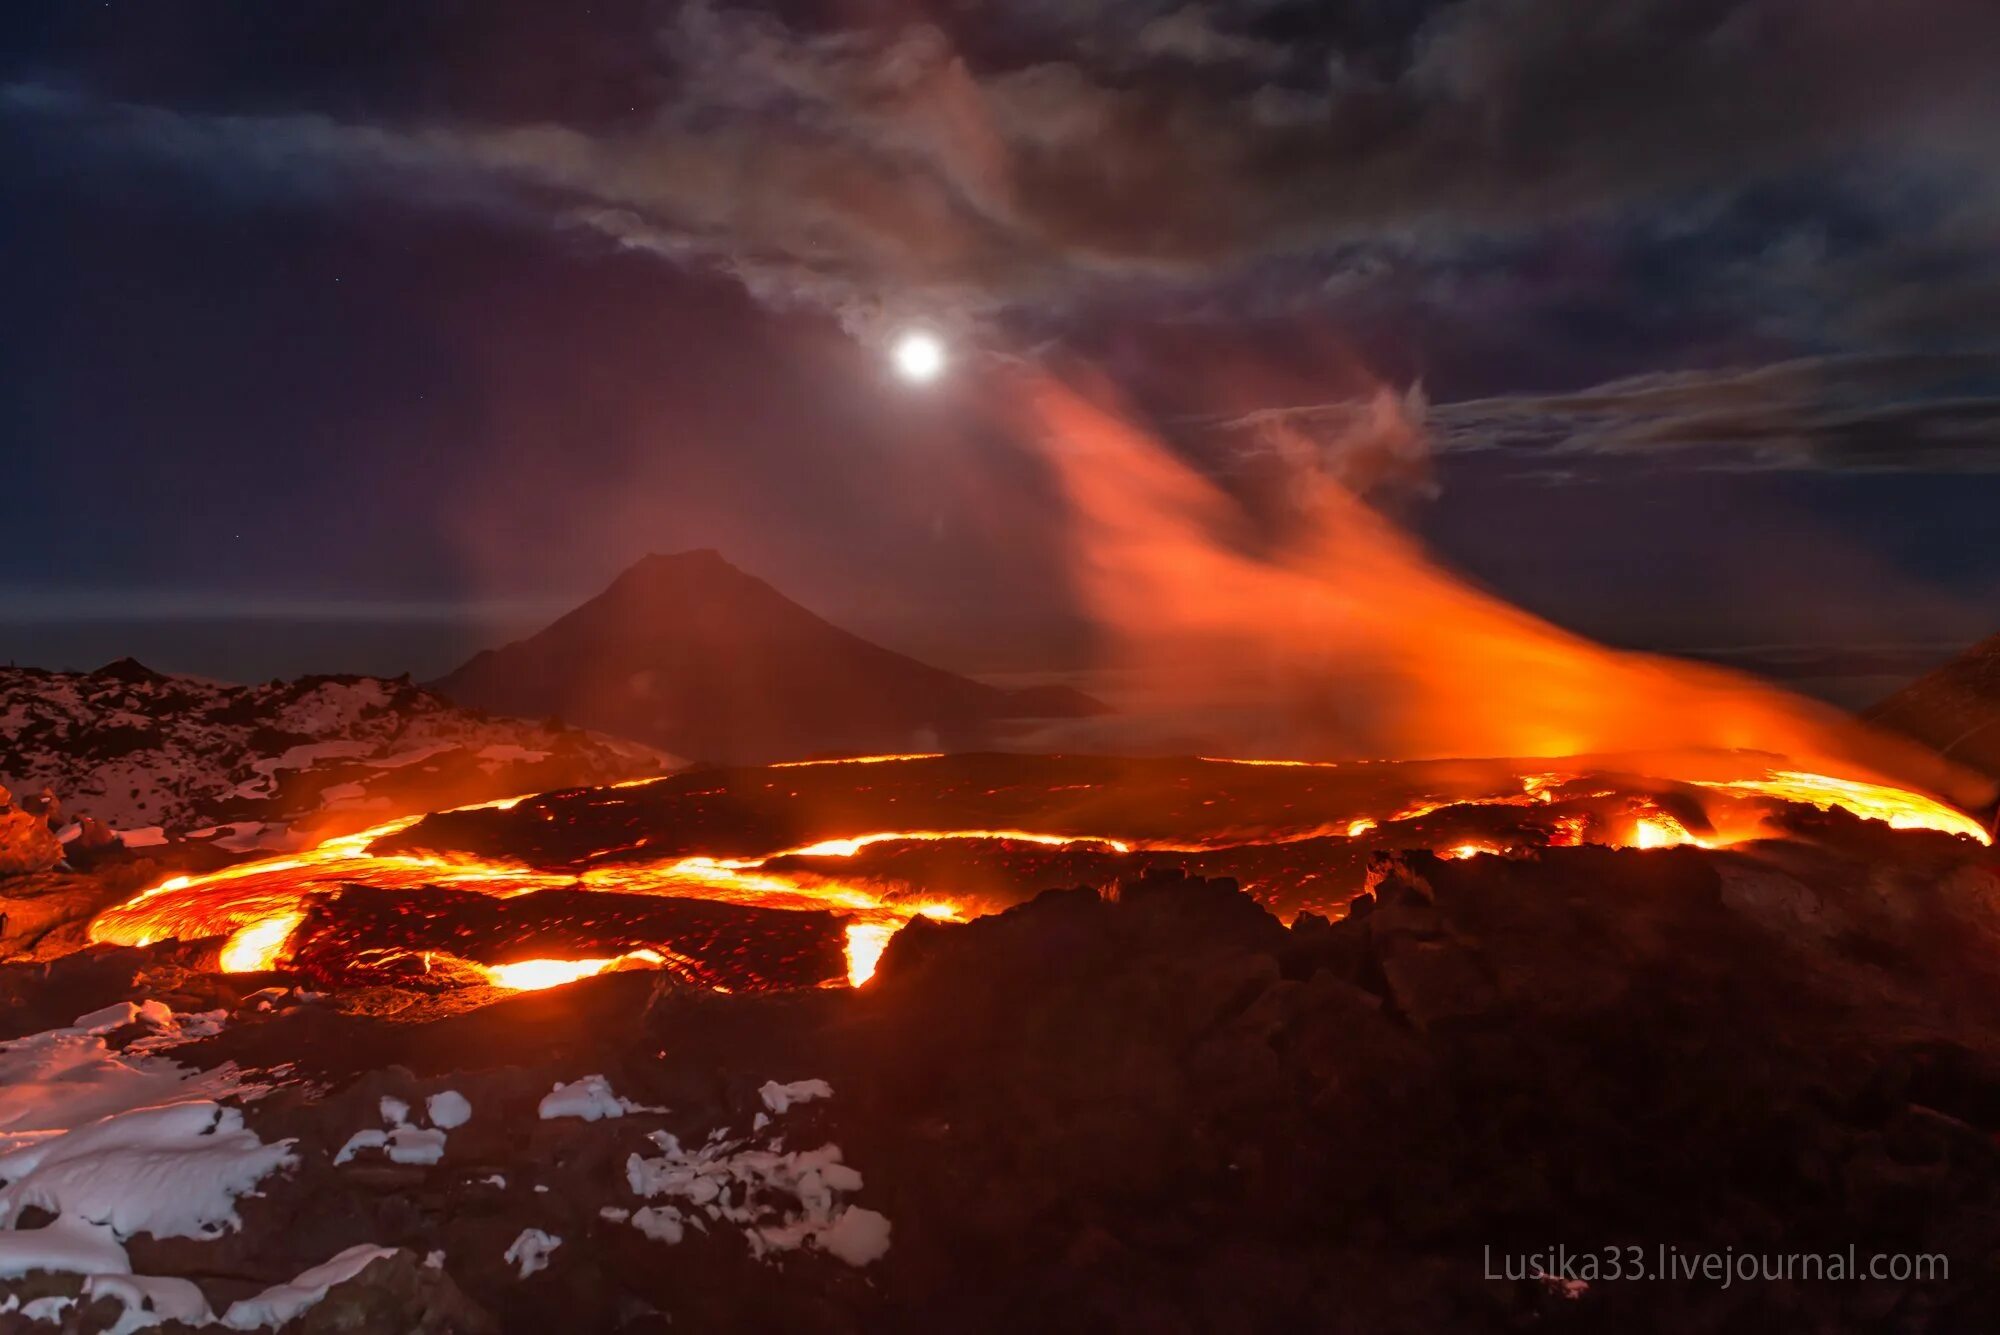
(26, 844)
(162, 757)
(1955, 710)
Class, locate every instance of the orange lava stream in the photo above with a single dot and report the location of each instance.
(259, 904)
(534, 975)
(1899, 808)
(857, 760)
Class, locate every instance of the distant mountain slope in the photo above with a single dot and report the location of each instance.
(689, 653)
(1955, 709)
(140, 750)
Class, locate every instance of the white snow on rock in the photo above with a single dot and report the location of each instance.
(780, 1201)
(530, 1251)
(173, 1171)
(448, 1109)
(180, 1027)
(61, 1079)
(121, 1013)
(65, 1246)
(589, 1097)
(162, 757)
(408, 1144)
(47, 1311)
(402, 1144)
(149, 1300)
(661, 1223)
(282, 1302)
(400, 1139)
(780, 1099)
(857, 1236)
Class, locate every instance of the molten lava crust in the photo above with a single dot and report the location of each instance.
(797, 875)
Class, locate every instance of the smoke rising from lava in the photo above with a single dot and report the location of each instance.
(1339, 637)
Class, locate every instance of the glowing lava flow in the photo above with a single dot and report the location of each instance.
(534, 975)
(1897, 807)
(260, 945)
(857, 760)
(865, 943)
(259, 906)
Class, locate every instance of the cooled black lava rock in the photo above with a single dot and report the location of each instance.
(1163, 1111)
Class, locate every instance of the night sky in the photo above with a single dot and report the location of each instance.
(352, 336)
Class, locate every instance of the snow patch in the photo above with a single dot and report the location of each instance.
(530, 1251)
(780, 1201)
(174, 1171)
(47, 1311)
(400, 1139)
(149, 1300)
(281, 1302)
(781, 1099)
(448, 1109)
(61, 1079)
(661, 1223)
(402, 1144)
(857, 1236)
(589, 1097)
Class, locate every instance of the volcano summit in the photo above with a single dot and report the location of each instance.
(688, 653)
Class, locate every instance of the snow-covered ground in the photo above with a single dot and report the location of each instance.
(105, 1137)
(163, 757)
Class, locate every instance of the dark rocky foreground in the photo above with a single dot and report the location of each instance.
(1170, 1113)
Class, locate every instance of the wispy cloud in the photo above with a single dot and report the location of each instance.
(1906, 413)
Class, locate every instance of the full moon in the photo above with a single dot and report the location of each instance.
(918, 356)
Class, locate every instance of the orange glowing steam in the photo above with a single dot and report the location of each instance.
(1337, 637)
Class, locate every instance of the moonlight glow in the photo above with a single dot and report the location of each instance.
(918, 356)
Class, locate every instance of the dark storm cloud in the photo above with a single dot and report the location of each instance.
(1031, 158)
